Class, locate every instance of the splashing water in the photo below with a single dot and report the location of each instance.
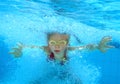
(28, 22)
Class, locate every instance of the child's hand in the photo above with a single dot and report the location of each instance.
(103, 46)
(17, 51)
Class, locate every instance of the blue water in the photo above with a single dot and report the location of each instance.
(28, 21)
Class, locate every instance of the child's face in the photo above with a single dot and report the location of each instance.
(58, 43)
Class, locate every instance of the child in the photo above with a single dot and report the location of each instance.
(58, 46)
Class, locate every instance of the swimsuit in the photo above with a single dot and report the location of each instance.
(51, 56)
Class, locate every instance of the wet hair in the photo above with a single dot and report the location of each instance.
(55, 33)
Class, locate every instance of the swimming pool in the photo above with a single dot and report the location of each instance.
(28, 21)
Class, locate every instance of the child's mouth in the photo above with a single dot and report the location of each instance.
(57, 50)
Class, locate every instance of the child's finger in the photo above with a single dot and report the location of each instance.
(11, 52)
(110, 46)
(14, 48)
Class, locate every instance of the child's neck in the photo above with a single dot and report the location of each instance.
(59, 56)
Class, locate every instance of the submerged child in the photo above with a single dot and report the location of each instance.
(58, 46)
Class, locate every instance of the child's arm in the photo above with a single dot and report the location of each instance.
(102, 46)
(76, 48)
(88, 47)
(17, 51)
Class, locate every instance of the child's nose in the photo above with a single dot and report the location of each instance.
(57, 47)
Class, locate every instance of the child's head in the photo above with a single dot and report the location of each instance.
(58, 42)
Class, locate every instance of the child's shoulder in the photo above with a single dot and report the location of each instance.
(46, 49)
